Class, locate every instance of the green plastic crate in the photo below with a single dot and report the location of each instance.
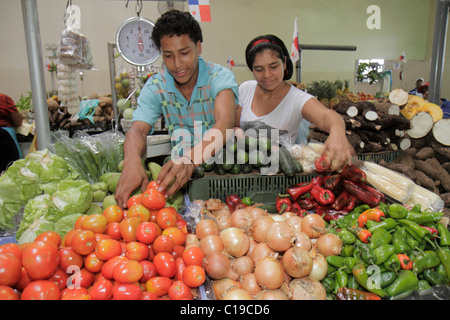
(262, 189)
(387, 156)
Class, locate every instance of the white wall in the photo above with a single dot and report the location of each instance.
(405, 25)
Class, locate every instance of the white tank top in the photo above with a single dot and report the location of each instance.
(286, 116)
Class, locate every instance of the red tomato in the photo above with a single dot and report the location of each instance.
(40, 259)
(82, 278)
(113, 230)
(178, 251)
(153, 214)
(67, 239)
(163, 243)
(68, 257)
(110, 265)
(79, 221)
(180, 266)
(182, 225)
(158, 285)
(128, 271)
(49, 236)
(73, 293)
(138, 210)
(194, 276)
(101, 290)
(11, 248)
(127, 291)
(84, 242)
(96, 222)
(137, 251)
(60, 278)
(178, 236)
(152, 199)
(10, 270)
(193, 256)
(165, 264)
(152, 185)
(92, 263)
(128, 228)
(147, 232)
(7, 293)
(136, 199)
(166, 217)
(113, 213)
(148, 269)
(101, 236)
(23, 282)
(41, 290)
(107, 248)
(180, 291)
(146, 295)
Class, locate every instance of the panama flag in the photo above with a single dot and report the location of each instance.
(200, 10)
(230, 62)
(295, 54)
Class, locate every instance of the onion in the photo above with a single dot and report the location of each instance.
(297, 262)
(267, 294)
(253, 244)
(256, 212)
(259, 228)
(191, 238)
(313, 225)
(288, 214)
(302, 241)
(269, 273)
(223, 218)
(217, 266)
(307, 289)
(211, 243)
(249, 283)
(206, 227)
(279, 236)
(241, 218)
(243, 265)
(237, 294)
(278, 217)
(329, 244)
(220, 287)
(261, 251)
(295, 222)
(235, 241)
(320, 266)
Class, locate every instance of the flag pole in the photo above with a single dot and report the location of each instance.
(298, 65)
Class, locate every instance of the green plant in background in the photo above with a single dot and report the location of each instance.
(369, 71)
(24, 103)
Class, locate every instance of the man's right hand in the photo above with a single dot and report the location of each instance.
(131, 178)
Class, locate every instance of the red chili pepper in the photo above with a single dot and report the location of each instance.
(341, 201)
(323, 196)
(351, 204)
(298, 190)
(318, 181)
(370, 214)
(333, 182)
(364, 193)
(307, 203)
(283, 203)
(353, 173)
(433, 231)
(345, 293)
(329, 214)
(295, 208)
(405, 262)
(322, 165)
(234, 202)
(363, 234)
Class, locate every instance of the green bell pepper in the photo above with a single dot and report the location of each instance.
(387, 278)
(387, 224)
(328, 283)
(397, 211)
(423, 284)
(383, 253)
(341, 279)
(406, 281)
(352, 283)
(380, 237)
(393, 263)
(347, 250)
(399, 240)
(335, 261)
(347, 237)
(367, 253)
(434, 278)
(426, 260)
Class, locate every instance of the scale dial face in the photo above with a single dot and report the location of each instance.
(134, 41)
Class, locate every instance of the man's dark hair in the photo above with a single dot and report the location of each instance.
(176, 23)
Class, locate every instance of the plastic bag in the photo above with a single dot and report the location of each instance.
(259, 129)
(87, 109)
(74, 49)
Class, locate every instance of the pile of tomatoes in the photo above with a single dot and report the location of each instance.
(134, 254)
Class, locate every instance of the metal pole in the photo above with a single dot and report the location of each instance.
(36, 70)
(438, 52)
(112, 74)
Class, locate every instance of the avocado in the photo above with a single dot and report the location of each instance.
(246, 168)
(236, 169)
(199, 172)
(208, 166)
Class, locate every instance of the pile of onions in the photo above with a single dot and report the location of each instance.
(257, 255)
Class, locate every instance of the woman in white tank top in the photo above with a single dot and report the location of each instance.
(270, 99)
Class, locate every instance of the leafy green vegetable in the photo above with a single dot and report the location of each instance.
(24, 103)
(65, 224)
(72, 196)
(7, 212)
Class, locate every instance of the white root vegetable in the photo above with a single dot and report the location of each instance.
(421, 124)
(399, 97)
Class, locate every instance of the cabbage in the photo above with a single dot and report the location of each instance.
(65, 224)
(72, 196)
(7, 212)
(38, 226)
(47, 166)
(17, 184)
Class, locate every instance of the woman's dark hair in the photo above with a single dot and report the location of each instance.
(176, 23)
(273, 43)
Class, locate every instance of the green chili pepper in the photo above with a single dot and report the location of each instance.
(444, 257)
(387, 277)
(247, 201)
(349, 263)
(346, 220)
(423, 284)
(417, 208)
(335, 261)
(424, 217)
(397, 211)
(413, 226)
(434, 278)
(347, 237)
(383, 253)
(393, 263)
(405, 281)
(341, 279)
(411, 242)
(347, 251)
(328, 283)
(387, 224)
(444, 235)
(427, 260)
(331, 270)
(367, 253)
(360, 273)
(380, 237)
(399, 240)
(441, 269)
(352, 283)
(361, 209)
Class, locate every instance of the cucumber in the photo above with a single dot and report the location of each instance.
(287, 162)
